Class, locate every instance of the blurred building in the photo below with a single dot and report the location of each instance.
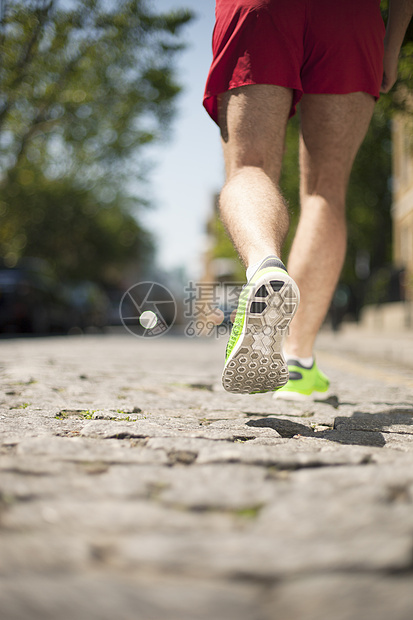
(399, 315)
(403, 199)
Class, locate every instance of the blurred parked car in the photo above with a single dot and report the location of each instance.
(89, 303)
(33, 301)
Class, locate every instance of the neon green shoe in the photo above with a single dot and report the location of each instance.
(304, 383)
(254, 358)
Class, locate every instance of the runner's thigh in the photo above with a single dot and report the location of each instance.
(332, 130)
(253, 121)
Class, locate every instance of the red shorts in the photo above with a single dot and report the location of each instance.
(310, 46)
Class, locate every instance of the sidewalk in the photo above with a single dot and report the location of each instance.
(133, 487)
(366, 345)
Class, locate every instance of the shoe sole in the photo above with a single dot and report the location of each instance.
(256, 363)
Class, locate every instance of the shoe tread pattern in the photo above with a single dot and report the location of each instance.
(257, 363)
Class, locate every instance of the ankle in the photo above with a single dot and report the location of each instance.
(252, 267)
(307, 361)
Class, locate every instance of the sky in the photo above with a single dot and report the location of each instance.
(187, 169)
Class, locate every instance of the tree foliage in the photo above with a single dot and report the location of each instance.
(84, 86)
(399, 99)
(65, 224)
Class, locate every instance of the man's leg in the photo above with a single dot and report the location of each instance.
(253, 121)
(333, 128)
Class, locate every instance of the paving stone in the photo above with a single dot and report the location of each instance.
(127, 481)
(323, 505)
(208, 487)
(99, 517)
(104, 597)
(32, 552)
(266, 557)
(283, 454)
(391, 421)
(172, 428)
(106, 430)
(32, 466)
(343, 597)
(86, 450)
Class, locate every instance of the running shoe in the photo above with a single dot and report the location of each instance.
(254, 358)
(304, 383)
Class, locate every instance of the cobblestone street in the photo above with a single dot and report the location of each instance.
(133, 487)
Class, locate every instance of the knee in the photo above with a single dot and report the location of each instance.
(250, 158)
(252, 170)
(334, 203)
(328, 187)
(327, 184)
(242, 162)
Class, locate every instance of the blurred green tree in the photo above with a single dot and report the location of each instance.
(67, 226)
(84, 86)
